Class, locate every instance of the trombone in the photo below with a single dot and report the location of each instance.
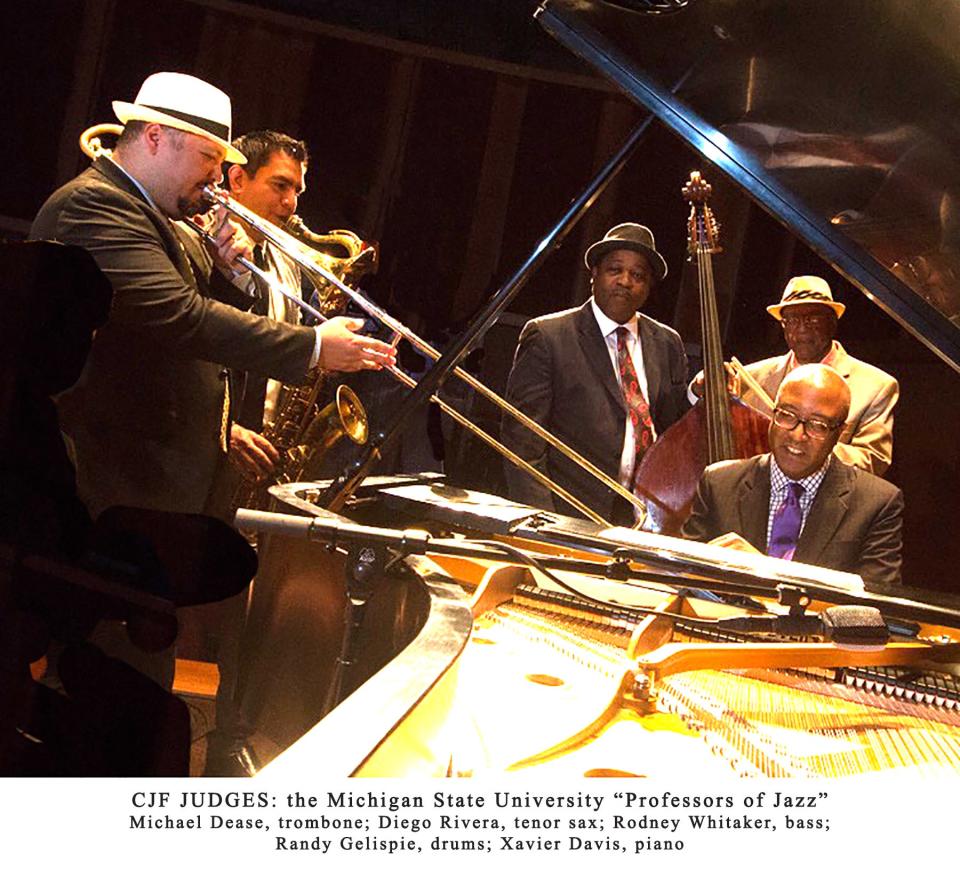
(300, 253)
(294, 249)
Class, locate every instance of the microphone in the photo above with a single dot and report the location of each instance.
(858, 627)
(334, 529)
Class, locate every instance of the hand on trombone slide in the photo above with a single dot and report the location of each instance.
(226, 240)
(342, 349)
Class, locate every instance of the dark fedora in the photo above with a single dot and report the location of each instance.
(628, 236)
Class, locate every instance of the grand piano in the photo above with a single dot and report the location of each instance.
(618, 653)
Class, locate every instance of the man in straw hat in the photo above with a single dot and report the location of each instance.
(602, 377)
(151, 413)
(809, 318)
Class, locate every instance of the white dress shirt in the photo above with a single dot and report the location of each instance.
(281, 308)
(608, 328)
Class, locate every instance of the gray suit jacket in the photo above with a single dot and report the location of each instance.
(146, 415)
(854, 522)
(563, 378)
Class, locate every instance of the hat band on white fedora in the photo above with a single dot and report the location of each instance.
(183, 102)
(221, 131)
(807, 296)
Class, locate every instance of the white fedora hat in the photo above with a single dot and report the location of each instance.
(184, 103)
(806, 290)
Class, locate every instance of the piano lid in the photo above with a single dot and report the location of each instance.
(841, 118)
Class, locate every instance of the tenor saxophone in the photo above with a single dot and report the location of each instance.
(300, 430)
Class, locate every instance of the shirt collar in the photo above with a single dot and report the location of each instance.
(779, 480)
(830, 359)
(137, 184)
(608, 326)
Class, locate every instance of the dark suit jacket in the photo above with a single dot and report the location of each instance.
(854, 522)
(563, 378)
(145, 416)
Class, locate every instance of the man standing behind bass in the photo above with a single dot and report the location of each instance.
(150, 414)
(603, 378)
(809, 317)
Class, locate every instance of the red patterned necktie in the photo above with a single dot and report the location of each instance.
(637, 406)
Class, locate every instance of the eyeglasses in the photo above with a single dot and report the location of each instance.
(792, 321)
(817, 429)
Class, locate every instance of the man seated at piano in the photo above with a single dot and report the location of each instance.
(602, 377)
(801, 501)
(809, 317)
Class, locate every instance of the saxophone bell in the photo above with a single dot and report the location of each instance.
(344, 416)
(302, 447)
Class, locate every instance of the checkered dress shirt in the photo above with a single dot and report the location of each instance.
(778, 491)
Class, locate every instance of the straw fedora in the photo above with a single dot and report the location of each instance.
(629, 236)
(806, 290)
(184, 103)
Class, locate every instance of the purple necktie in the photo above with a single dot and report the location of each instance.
(786, 525)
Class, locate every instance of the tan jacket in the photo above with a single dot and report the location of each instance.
(867, 438)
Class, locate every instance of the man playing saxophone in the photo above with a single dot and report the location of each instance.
(269, 184)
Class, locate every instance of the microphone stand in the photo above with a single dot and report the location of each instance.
(365, 565)
(662, 568)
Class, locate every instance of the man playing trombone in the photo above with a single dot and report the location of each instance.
(150, 414)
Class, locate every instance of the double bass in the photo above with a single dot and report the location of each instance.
(718, 426)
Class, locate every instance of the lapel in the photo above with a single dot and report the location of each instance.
(776, 375)
(826, 512)
(753, 502)
(652, 362)
(171, 241)
(841, 362)
(594, 348)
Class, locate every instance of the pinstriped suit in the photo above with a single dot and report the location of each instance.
(145, 416)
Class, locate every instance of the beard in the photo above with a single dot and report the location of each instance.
(188, 207)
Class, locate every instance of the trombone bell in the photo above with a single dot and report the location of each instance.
(90, 142)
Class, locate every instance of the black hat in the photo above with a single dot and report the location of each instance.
(628, 236)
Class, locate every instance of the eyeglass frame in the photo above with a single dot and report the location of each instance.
(800, 420)
(792, 321)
